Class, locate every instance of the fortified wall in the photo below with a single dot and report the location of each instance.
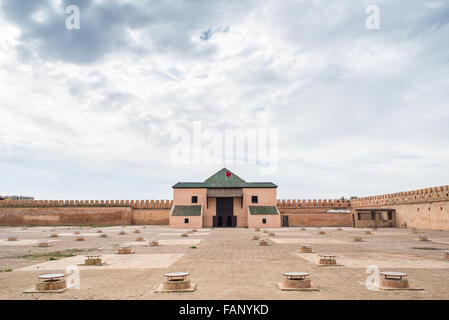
(421, 209)
(317, 213)
(85, 212)
(151, 212)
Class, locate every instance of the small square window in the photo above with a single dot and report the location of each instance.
(254, 199)
(186, 220)
(194, 199)
(264, 221)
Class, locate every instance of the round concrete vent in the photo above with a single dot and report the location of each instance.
(297, 280)
(176, 281)
(394, 280)
(51, 282)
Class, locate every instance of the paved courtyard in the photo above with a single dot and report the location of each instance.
(224, 263)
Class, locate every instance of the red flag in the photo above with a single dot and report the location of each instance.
(228, 174)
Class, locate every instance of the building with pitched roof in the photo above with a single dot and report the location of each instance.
(224, 200)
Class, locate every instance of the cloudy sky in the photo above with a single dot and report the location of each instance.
(90, 113)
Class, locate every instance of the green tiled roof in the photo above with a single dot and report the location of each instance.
(194, 210)
(224, 179)
(262, 210)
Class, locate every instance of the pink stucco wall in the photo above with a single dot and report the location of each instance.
(266, 197)
(195, 222)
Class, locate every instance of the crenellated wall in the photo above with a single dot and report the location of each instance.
(421, 209)
(303, 213)
(135, 204)
(84, 212)
(311, 203)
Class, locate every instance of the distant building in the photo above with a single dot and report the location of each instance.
(224, 200)
(15, 198)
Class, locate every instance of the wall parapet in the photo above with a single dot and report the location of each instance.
(312, 203)
(135, 204)
(426, 195)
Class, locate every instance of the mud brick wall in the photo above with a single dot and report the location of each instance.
(313, 213)
(84, 212)
(320, 220)
(426, 208)
(65, 216)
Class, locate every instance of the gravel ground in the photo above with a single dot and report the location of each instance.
(226, 264)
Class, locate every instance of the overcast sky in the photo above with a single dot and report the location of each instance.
(89, 113)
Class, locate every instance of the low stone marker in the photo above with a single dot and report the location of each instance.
(368, 232)
(256, 238)
(124, 249)
(184, 235)
(153, 243)
(79, 239)
(339, 229)
(297, 281)
(122, 233)
(272, 234)
(263, 243)
(53, 235)
(321, 232)
(423, 237)
(446, 255)
(43, 243)
(104, 235)
(305, 249)
(357, 239)
(12, 238)
(140, 239)
(328, 260)
(93, 260)
(137, 231)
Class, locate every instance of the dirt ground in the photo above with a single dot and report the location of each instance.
(224, 263)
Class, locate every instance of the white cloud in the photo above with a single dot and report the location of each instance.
(89, 115)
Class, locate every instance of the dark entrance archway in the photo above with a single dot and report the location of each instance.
(225, 213)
